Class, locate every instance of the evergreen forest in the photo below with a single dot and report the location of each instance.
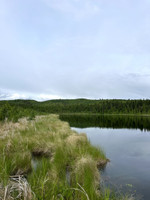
(15, 109)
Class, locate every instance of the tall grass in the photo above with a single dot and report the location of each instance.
(65, 166)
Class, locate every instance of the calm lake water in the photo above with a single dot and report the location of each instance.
(126, 142)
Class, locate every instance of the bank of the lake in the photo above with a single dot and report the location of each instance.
(126, 140)
(44, 159)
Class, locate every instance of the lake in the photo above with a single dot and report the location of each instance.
(126, 142)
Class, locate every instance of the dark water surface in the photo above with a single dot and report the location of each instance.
(126, 142)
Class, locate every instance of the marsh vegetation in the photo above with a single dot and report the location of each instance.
(60, 151)
(42, 158)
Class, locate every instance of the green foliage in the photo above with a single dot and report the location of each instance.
(6, 112)
(11, 112)
(14, 109)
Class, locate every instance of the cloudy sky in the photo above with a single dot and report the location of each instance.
(74, 49)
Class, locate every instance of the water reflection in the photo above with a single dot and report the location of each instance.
(125, 144)
(107, 121)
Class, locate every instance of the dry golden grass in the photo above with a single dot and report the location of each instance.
(74, 139)
(19, 186)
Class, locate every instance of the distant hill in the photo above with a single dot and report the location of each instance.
(102, 106)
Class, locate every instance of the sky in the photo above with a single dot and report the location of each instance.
(56, 49)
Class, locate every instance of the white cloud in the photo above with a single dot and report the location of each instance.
(44, 97)
(11, 95)
(74, 48)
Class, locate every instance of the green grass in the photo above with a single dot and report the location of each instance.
(57, 163)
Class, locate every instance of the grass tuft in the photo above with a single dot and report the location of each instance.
(44, 159)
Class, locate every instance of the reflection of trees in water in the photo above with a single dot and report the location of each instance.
(107, 121)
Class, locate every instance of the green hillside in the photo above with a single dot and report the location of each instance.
(113, 106)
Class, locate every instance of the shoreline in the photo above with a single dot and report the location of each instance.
(57, 148)
(96, 114)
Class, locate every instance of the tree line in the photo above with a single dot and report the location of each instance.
(13, 113)
(14, 109)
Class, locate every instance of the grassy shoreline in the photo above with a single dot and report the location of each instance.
(44, 159)
(66, 160)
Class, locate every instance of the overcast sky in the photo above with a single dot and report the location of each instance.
(74, 49)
